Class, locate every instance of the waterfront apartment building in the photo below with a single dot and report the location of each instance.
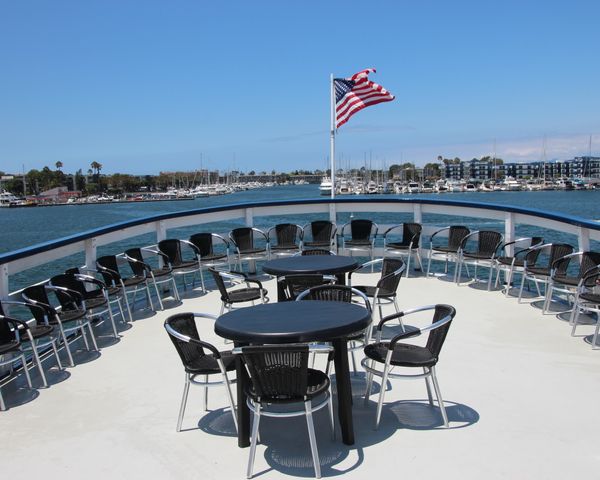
(476, 170)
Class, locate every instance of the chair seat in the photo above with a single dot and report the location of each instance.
(212, 257)
(245, 294)
(318, 383)
(477, 256)
(357, 243)
(161, 272)
(38, 331)
(132, 281)
(404, 355)
(185, 265)
(399, 245)
(369, 291)
(290, 246)
(95, 302)
(8, 347)
(567, 280)
(508, 261)
(70, 315)
(207, 364)
(443, 249)
(316, 243)
(590, 297)
(540, 271)
(253, 251)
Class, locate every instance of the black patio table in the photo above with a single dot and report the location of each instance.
(296, 322)
(309, 264)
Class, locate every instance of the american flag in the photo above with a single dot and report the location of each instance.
(355, 93)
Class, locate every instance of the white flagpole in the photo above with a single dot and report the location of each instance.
(332, 138)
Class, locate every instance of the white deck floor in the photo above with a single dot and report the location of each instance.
(521, 395)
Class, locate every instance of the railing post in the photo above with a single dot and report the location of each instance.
(509, 231)
(161, 234)
(90, 253)
(249, 217)
(4, 291)
(332, 213)
(417, 213)
(583, 238)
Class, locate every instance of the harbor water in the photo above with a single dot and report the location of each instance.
(20, 228)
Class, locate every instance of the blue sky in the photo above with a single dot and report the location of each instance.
(144, 86)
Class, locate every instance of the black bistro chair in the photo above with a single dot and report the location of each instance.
(182, 258)
(482, 254)
(587, 300)
(199, 358)
(95, 302)
(34, 337)
(384, 291)
(108, 266)
(407, 245)
(159, 276)
(319, 234)
(238, 295)
(447, 251)
(279, 374)
(70, 318)
(10, 350)
(294, 285)
(285, 239)
(538, 263)
(316, 251)
(394, 353)
(511, 260)
(362, 236)
(569, 282)
(212, 250)
(251, 244)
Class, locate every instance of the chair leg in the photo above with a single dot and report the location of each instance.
(58, 362)
(595, 337)
(330, 409)
(429, 396)
(85, 340)
(408, 265)
(369, 386)
(438, 394)
(312, 438)
(66, 344)
(24, 365)
(205, 396)
(112, 320)
(89, 325)
(158, 296)
(575, 316)
(149, 298)
(2, 404)
(253, 439)
(428, 264)
(381, 395)
(127, 305)
(524, 277)
(230, 396)
(36, 357)
(186, 389)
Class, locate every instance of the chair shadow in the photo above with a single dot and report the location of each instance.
(482, 286)
(589, 338)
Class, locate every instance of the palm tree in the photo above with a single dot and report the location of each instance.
(96, 166)
(59, 165)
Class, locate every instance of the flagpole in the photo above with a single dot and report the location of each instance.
(332, 137)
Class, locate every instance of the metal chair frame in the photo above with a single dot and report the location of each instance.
(238, 278)
(250, 257)
(149, 272)
(12, 357)
(258, 410)
(359, 248)
(31, 343)
(387, 372)
(68, 326)
(589, 282)
(510, 270)
(464, 259)
(216, 262)
(184, 270)
(445, 256)
(190, 378)
(413, 245)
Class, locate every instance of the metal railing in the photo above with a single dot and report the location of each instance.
(87, 242)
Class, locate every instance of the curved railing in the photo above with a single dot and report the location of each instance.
(88, 242)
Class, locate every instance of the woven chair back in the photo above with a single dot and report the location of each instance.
(37, 293)
(296, 284)
(456, 234)
(185, 324)
(220, 284)
(361, 229)
(436, 338)
(243, 238)
(67, 281)
(321, 231)
(411, 231)
(6, 333)
(589, 260)
(172, 249)
(137, 268)
(287, 235)
(592, 279)
(204, 243)
(110, 262)
(278, 372)
(488, 242)
(389, 282)
(316, 251)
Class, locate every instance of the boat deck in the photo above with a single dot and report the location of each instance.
(519, 390)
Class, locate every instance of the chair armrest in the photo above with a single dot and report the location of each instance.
(419, 331)
(257, 282)
(191, 245)
(91, 280)
(436, 232)
(395, 316)
(74, 295)
(364, 265)
(185, 338)
(48, 309)
(567, 258)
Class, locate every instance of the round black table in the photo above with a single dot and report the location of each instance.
(291, 322)
(309, 264)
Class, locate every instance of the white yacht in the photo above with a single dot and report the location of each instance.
(326, 186)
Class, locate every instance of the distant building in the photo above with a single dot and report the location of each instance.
(55, 195)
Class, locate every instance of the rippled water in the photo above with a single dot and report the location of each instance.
(24, 227)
